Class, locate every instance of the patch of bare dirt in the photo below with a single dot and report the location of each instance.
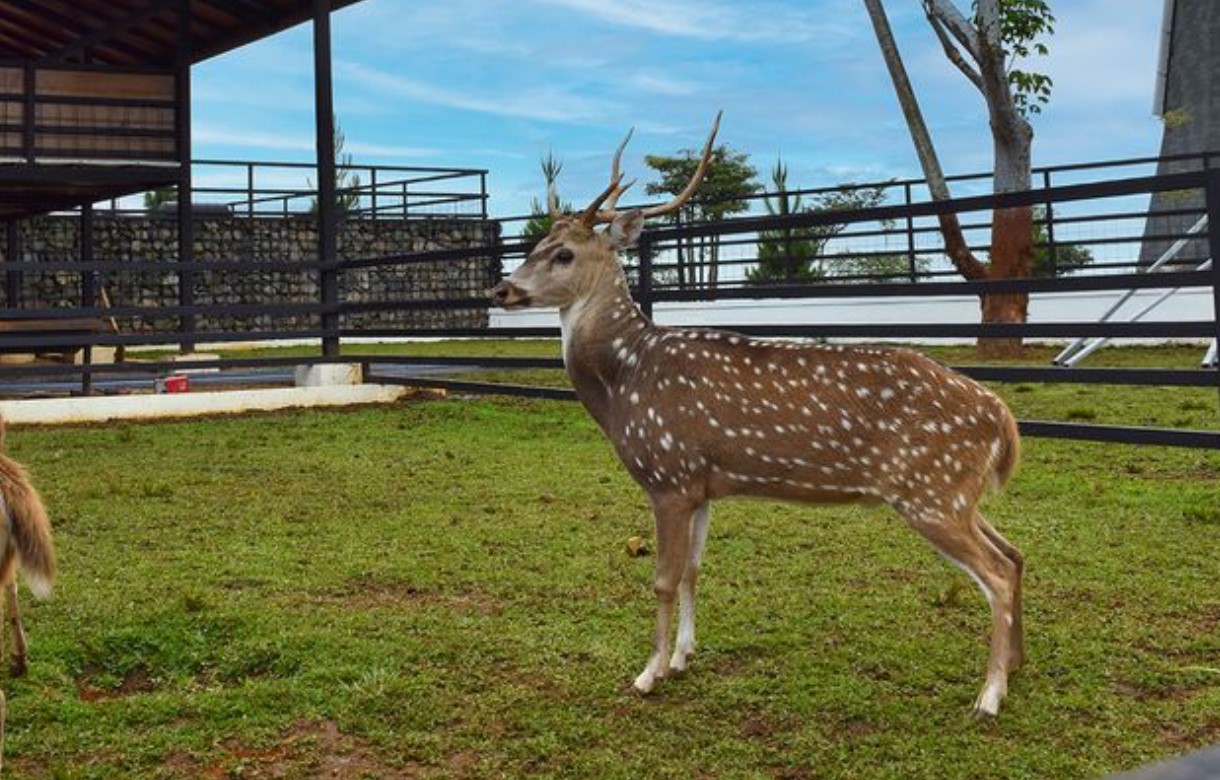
(310, 750)
(138, 680)
(1184, 738)
(372, 594)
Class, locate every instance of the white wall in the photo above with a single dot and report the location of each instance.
(1185, 305)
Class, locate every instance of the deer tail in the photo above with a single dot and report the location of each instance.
(30, 545)
(30, 537)
(1008, 454)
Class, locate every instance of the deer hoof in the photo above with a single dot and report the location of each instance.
(987, 705)
(17, 666)
(679, 661)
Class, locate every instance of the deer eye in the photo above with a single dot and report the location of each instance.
(565, 256)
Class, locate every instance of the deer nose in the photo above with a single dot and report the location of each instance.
(503, 294)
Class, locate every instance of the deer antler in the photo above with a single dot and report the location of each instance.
(695, 180)
(596, 214)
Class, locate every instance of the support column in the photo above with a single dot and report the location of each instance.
(186, 224)
(324, 115)
(13, 254)
(88, 291)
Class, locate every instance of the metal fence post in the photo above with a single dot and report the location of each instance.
(644, 288)
(1052, 252)
(373, 190)
(1211, 199)
(250, 189)
(914, 267)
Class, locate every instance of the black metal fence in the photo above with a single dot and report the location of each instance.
(1100, 213)
(1114, 212)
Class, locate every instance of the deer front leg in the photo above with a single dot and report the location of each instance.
(686, 591)
(673, 521)
(17, 662)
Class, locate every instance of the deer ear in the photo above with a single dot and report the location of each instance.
(625, 229)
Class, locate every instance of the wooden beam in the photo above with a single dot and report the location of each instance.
(122, 24)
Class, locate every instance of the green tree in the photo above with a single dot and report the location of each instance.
(875, 269)
(786, 254)
(805, 249)
(730, 180)
(347, 182)
(541, 219)
(154, 200)
(1067, 258)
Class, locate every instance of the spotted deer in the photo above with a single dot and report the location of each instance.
(25, 545)
(699, 414)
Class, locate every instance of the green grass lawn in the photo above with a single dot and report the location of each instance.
(441, 589)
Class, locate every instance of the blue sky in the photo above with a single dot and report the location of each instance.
(497, 84)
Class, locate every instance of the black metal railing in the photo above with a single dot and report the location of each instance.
(1098, 234)
(246, 188)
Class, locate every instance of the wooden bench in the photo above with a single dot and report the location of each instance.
(78, 326)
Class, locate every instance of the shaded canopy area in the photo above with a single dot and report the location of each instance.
(140, 33)
(95, 94)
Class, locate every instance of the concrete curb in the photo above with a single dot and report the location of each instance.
(169, 405)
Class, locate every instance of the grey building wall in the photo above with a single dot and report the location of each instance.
(286, 245)
(1189, 103)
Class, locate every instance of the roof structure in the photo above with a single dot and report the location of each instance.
(140, 33)
(95, 94)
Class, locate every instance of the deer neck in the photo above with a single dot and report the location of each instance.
(599, 333)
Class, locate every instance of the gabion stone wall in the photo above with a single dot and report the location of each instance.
(276, 252)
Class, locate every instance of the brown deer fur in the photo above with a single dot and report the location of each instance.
(696, 415)
(25, 545)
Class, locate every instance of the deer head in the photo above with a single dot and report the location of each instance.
(576, 259)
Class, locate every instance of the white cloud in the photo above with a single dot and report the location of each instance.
(359, 149)
(547, 102)
(661, 84)
(237, 138)
(1098, 56)
(713, 21)
(203, 133)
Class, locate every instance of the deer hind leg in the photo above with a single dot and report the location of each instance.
(17, 662)
(673, 522)
(686, 591)
(1016, 639)
(962, 539)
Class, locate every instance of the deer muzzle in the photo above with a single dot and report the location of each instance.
(507, 295)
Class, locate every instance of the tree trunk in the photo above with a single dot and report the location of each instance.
(1011, 258)
(1012, 229)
